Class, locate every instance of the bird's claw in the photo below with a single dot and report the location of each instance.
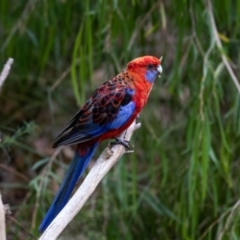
(120, 141)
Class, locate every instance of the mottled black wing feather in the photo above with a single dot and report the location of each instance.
(91, 120)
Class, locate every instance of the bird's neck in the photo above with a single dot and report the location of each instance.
(140, 81)
(142, 87)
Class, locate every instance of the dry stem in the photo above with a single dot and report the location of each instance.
(107, 159)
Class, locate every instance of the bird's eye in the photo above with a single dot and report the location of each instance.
(150, 66)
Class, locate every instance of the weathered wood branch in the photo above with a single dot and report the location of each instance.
(107, 159)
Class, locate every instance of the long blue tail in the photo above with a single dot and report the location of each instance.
(76, 168)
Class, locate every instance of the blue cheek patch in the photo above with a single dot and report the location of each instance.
(151, 75)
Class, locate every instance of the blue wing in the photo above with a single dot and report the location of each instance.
(110, 107)
(104, 111)
(76, 168)
(80, 162)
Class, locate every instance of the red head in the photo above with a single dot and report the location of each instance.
(147, 66)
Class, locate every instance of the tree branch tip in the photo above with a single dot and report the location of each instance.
(10, 60)
(137, 126)
(5, 71)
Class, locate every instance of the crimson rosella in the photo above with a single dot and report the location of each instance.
(109, 111)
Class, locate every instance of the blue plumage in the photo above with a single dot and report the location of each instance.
(124, 114)
(108, 112)
(79, 163)
(109, 108)
(91, 130)
(75, 170)
(151, 75)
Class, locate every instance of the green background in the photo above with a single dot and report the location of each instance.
(182, 182)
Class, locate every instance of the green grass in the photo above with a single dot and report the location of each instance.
(182, 182)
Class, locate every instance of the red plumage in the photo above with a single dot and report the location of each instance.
(109, 111)
(104, 104)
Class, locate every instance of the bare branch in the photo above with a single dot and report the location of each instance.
(5, 71)
(3, 76)
(2, 220)
(107, 159)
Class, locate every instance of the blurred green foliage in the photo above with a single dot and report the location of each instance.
(182, 182)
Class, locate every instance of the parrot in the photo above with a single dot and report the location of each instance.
(110, 110)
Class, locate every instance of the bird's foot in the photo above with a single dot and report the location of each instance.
(120, 141)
